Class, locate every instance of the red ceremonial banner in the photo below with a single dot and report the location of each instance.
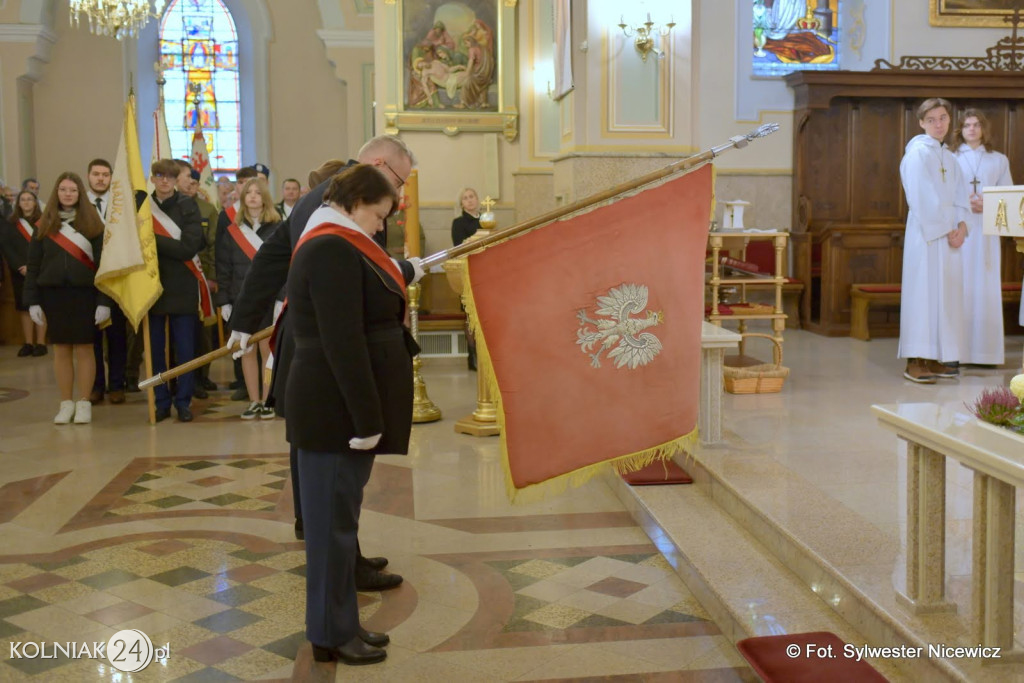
(592, 325)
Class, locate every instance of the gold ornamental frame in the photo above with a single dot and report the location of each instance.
(972, 13)
(450, 121)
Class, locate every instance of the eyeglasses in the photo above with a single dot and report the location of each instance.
(401, 181)
(161, 176)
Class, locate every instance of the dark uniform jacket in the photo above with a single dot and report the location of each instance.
(463, 227)
(181, 288)
(233, 264)
(351, 374)
(13, 246)
(268, 274)
(50, 265)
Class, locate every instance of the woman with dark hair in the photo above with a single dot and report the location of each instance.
(349, 393)
(60, 289)
(15, 238)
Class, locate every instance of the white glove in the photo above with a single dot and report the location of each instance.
(225, 312)
(363, 444)
(278, 307)
(36, 313)
(244, 346)
(417, 268)
(102, 314)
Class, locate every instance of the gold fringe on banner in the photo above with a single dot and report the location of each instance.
(561, 483)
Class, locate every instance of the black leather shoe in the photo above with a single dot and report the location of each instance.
(162, 414)
(200, 392)
(208, 384)
(132, 386)
(355, 652)
(300, 535)
(373, 638)
(26, 350)
(372, 580)
(376, 563)
(184, 414)
(39, 350)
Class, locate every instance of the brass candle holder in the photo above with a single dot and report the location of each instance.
(423, 409)
(484, 420)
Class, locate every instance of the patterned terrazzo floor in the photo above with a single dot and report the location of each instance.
(184, 531)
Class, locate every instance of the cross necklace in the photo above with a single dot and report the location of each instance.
(977, 167)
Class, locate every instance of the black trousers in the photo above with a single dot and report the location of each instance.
(332, 493)
(110, 377)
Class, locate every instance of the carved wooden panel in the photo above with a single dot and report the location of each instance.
(874, 167)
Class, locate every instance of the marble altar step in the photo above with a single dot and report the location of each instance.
(746, 588)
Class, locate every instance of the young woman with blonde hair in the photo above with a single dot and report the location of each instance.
(256, 220)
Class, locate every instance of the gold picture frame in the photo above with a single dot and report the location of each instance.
(971, 13)
(442, 81)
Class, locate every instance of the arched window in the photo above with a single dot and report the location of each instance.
(199, 51)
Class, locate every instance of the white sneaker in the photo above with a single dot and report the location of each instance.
(66, 412)
(83, 412)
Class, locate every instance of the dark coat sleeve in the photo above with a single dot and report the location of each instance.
(30, 295)
(268, 273)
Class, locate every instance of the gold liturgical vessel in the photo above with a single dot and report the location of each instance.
(423, 409)
(484, 420)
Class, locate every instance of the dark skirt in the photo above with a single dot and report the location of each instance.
(70, 313)
(18, 283)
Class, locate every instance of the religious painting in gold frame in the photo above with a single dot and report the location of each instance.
(456, 67)
(974, 13)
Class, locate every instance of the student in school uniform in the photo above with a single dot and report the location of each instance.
(15, 237)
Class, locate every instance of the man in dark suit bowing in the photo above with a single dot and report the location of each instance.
(269, 271)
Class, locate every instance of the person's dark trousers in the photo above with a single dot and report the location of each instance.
(203, 347)
(136, 347)
(117, 353)
(183, 337)
(293, 459)
(332, 492)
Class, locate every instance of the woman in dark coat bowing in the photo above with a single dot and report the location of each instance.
(349, 394)
(15, 237)
(60, 290)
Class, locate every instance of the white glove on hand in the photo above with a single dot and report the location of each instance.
(225, 312)
(363, 444)
(102, 314)
(417, 268)
(244, 346)
(278, 307)
(36, 313)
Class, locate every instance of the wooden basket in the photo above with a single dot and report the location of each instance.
(766, 378)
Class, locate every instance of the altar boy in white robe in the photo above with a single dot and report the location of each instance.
(981, 167)
(931, 310)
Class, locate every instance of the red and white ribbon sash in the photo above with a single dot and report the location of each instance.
(75, 244)
(164, 225)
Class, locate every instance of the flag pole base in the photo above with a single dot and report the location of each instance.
(472, 427)
(423, 409)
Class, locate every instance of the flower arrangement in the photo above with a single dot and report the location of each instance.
(1002, 406)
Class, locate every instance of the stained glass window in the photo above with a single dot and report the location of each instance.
(199, 53)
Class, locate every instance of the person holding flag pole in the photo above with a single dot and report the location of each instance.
(128, 272)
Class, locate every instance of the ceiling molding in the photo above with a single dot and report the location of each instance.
(346, 38)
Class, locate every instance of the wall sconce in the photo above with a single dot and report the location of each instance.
(644, 41)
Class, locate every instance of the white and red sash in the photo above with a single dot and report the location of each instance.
(75, 244)
(164, 225)
(246, 239)
(25, 229)
(231, 211)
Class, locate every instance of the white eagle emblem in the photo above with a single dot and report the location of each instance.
(634, 346)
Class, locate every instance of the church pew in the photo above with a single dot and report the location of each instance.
(863, 296)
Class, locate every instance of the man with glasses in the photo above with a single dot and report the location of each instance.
(269, 272)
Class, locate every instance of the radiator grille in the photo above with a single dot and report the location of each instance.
(443, 344)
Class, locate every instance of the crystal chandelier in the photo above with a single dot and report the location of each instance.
(117, 18)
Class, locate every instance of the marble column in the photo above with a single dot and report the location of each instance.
(992, 571)
(926, 532)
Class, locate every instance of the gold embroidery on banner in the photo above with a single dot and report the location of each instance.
(633, 347)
